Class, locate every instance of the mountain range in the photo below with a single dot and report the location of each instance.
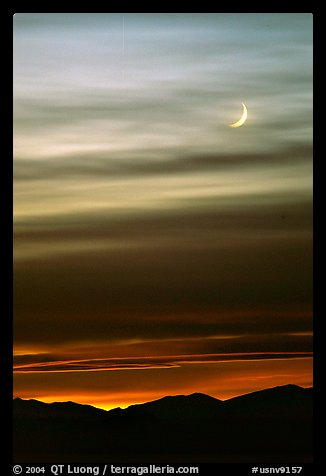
(272, 425)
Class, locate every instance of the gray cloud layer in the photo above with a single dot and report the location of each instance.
(98, 165)
(138, 212)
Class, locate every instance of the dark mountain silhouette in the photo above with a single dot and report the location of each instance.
(194, 406)
(67, 410)
(287, 401)
(272, 425)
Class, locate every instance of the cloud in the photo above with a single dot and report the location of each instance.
(174, 88)
(144, 363)
(98, 165)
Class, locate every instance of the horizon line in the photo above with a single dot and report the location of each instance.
(161, 398)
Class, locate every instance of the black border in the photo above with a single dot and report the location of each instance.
(6, 187)
(6, 233)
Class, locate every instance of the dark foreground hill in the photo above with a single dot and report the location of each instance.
(273, 425)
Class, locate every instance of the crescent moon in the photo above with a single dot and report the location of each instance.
(242, 119)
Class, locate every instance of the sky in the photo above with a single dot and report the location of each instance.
(158, 251)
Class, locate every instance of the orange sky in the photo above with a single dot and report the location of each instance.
(125, 372)
(122, 388)
(112, 382)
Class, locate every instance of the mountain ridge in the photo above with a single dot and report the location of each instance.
(165, 398)
(290, 399)
(272, 425)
